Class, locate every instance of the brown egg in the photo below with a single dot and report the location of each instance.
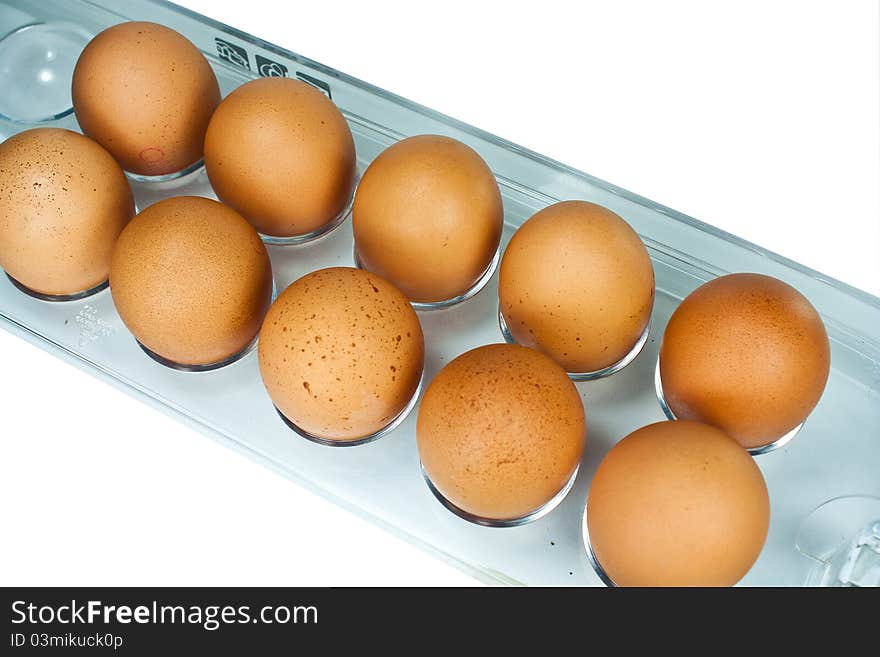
(145, 93)
(191, 280)
(746, 353)
(577, 283)
(427, 216)
(280, 152)
(63, 203)
(341, 353)
(500, 431)
(677, 504)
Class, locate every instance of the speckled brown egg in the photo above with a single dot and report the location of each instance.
(63, 202)
(746, 353)
(280, 152)
(576, 282)
(192, 281)
(427, 216)
(145, 93)
(677, 504)
(341, 353)
(500, 431)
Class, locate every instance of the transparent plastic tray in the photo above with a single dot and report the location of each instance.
(837, 453)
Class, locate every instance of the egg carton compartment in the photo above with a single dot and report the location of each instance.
(837, 452)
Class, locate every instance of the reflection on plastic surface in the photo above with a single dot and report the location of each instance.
(36, 70)
(842, 536)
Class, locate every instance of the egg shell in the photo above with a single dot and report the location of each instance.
(427, 216)
(63, 202)
(746, 353)
(500, 431)
(191, 279)
(281, 153)
(145, 93)
(677, 504)
(577, 283)
(341, 353)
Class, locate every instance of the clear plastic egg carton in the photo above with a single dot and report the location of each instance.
(837, 453)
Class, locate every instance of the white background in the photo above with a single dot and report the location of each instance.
(762, 118)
